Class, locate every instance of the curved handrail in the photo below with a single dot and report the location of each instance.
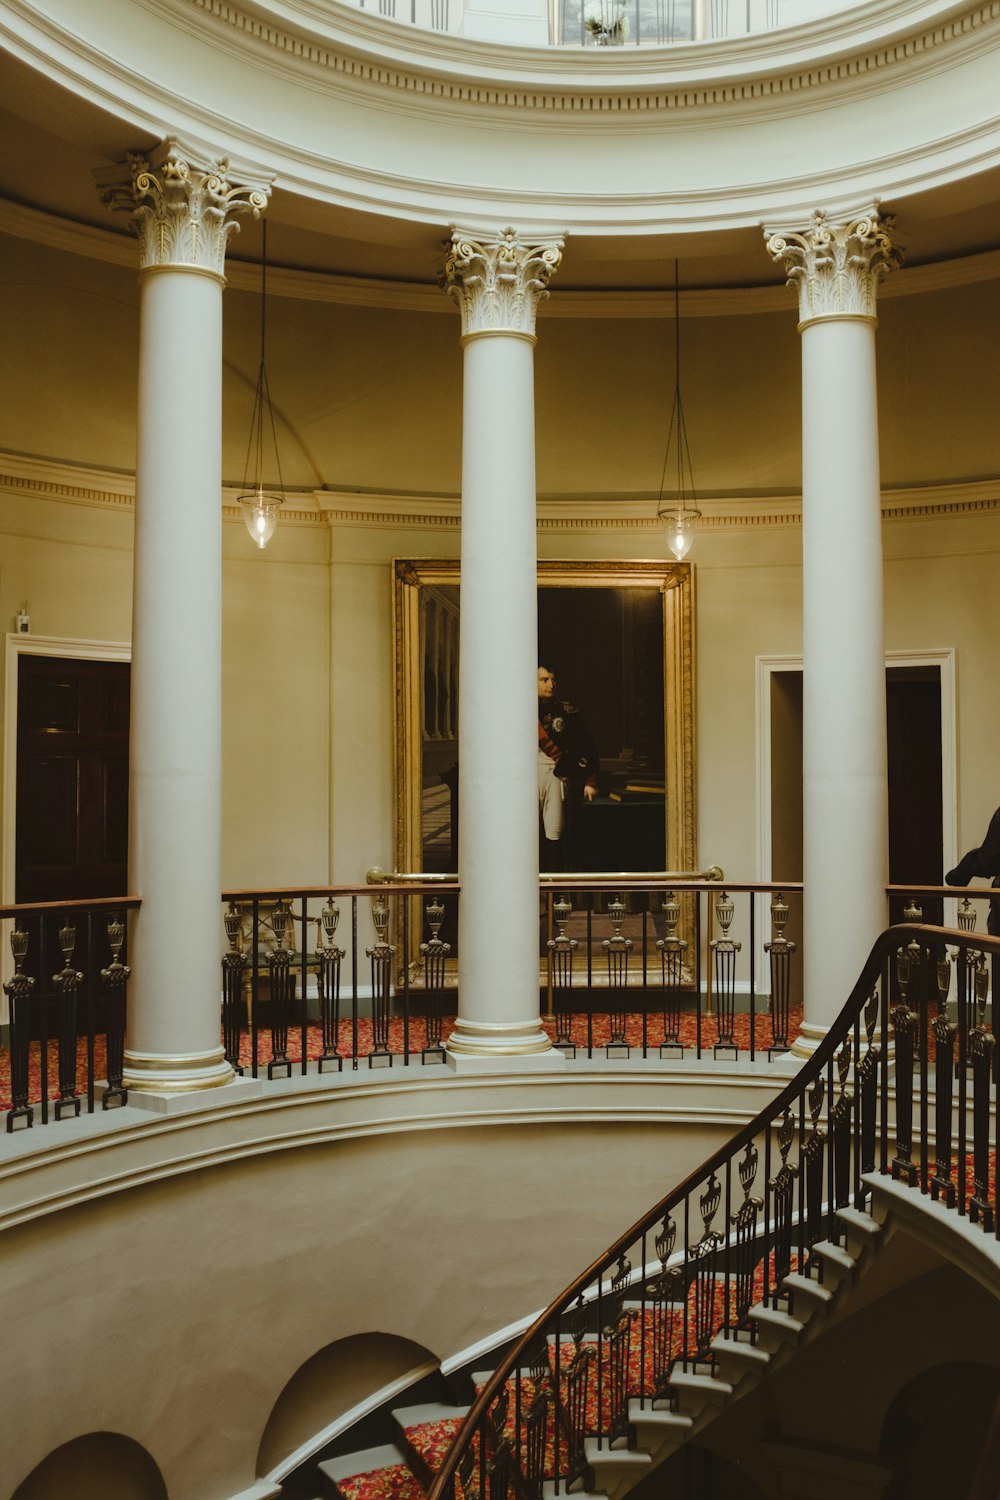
(909, 940)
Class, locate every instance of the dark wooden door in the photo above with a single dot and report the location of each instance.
(916, 841)
(72, 779)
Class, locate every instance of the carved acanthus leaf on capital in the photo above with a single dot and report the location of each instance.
(498, 283)
(182, 209)
(836, 263)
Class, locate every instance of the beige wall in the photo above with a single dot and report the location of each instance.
(369, 399)
(209, 1283)
(308, 692)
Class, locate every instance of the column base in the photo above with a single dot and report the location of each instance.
(498, 1038)
(811, 1034)
(809, 1037)
(180, 1073)
(479, 1063)
(179, 1102)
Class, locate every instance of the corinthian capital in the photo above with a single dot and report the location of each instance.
(836, 263)
(182, 208)
(498, 282)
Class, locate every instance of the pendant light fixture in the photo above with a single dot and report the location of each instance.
(261, 507)
(678, 512)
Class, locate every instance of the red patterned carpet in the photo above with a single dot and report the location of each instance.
(430, 1441)
(600, 1035)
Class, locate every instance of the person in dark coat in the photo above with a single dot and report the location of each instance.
(567, 762)
(985, 862)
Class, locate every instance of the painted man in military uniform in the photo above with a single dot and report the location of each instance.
(567, 763)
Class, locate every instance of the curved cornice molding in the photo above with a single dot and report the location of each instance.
(41, 228)
(71, 484)
(858, 43)
(360, 61)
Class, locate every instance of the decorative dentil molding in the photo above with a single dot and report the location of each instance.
(774, 66)
(836, 263)
(498, 282)
(183, 208)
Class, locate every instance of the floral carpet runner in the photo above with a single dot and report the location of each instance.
(600, 1029)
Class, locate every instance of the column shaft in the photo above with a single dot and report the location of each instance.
(498, 736)
(183, 208)
(845, 791)
(836, 265)
(497, 282)
(175, 741)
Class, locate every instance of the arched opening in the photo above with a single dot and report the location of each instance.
(93, 1467)
(335, 1381)
(935, 1430)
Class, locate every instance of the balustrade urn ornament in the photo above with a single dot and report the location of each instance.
(499, 281)
(330, 917)
(836, 263)
(182, 206)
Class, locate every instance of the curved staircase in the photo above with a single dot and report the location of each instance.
(724, 1280)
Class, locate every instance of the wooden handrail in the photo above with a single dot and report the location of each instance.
(887, 943)
(110, 903)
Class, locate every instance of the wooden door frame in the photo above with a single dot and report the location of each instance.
(767, 666)
(34, 645)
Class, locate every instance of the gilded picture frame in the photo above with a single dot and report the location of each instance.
(426, 588)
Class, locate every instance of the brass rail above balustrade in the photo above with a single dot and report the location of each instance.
(598, 879)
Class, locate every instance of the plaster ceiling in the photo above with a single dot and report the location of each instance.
(54, 141)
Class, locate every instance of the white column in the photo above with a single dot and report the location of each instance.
(836, 265)
(183, 212)
(498, 282)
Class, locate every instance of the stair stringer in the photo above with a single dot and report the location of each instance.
(658, 1431)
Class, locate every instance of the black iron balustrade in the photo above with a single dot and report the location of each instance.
(293, 996)
(644, 970)
(629, 966)
(66, 1024)
(629, 947)
(903, 1087)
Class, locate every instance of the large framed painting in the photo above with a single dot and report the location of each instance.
(618, 637)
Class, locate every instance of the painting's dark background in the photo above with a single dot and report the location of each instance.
(605, 646)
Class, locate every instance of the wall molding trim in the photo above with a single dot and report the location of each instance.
(45, 479)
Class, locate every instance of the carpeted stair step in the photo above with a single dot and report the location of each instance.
(737, 1358)
(553, 1491)
(371, 1474)
(695, 1392)
(862, 1230)
(808, 1295)
(615, 1470)
(424, 1434)
(774, 1327)
(658, 1429)
(838, 1264)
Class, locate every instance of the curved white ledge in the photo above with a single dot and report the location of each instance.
(60, 1166)
(353, 110)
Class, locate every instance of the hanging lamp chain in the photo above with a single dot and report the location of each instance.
(263, 410)
(677, 433)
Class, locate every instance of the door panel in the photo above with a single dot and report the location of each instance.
(72, 779)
